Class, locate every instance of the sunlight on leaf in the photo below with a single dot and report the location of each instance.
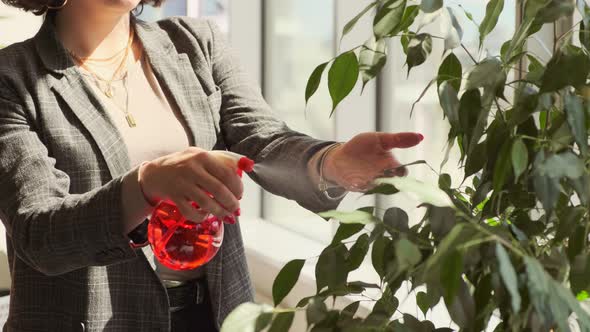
(424, 192)
(353, 217)
(244, 317)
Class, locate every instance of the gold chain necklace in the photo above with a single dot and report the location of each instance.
(109, 82)
(109, 91)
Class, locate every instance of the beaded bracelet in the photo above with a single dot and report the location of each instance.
(323, 185)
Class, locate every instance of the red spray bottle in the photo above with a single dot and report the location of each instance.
(182, 244)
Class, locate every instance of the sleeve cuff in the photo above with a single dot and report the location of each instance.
(134, 205)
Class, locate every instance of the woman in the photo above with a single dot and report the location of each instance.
(101, 117)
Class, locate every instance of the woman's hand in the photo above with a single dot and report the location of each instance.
(355, 164)
(188, 176)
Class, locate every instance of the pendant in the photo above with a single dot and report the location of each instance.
(109, 91)
(130, 120)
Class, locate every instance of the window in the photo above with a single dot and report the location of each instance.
(215, 10)
(298, 35)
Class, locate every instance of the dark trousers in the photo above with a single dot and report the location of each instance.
(194, 318)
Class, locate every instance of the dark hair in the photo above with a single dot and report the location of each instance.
(40, 6)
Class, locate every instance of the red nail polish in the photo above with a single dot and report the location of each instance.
(237, 212)
(421, 137)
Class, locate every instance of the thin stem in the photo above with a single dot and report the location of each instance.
(468, 53)
(564, 34)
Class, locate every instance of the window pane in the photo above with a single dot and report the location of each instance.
(217, 11)
(299, 33)
(169, 8)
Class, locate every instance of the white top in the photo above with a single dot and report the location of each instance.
(159, 130)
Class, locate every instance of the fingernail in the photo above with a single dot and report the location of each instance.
(237, 212)
(421, 137)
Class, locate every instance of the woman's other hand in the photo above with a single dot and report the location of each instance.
(355, 164)
(187, 176)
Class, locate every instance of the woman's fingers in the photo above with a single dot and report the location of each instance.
(205, 202)
(188, 210)
(226, 174)
(390, 141)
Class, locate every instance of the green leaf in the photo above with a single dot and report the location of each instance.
(508, 276)
(388, 18)
(450, 71)
(429, 6)
(576, 118)
(342, 77)
(244, 317)
(462, 310)
(380, 254)
(525, 29)
(263, 321)
(502, 167)
(358, 252)
(383, 189)
(385, 306)
(314, 81)
(345, 231)
(493, 10)
(423, 302)
(350, 25)
(409, 16)
(520, 157)
(351, 308)
(580, 269)
(554, 10)
(331, 269)
(286, 279)
(486, 74)
(551, 300)
(452, 29)
(282, 322)
(419, 49)
(316, 311)
(442, 220)
(569, 67)
(372, 59)
(452, 270)
(565, 164)
(352, 217)
(426, 193)
(407, 254)
(585, 35)
(449, 102)
(397, 219)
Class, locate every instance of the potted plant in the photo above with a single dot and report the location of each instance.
(512, 240)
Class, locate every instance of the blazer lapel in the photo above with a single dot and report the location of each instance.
(178, 80)
(73, 89)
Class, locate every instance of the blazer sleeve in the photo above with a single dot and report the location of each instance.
(249, 127)
(51, 230)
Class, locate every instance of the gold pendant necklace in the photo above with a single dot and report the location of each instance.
(109, 82)
(128, 116)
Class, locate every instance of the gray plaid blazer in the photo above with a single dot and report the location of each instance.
(62, 161)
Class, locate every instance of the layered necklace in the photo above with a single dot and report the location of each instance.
(120, 73)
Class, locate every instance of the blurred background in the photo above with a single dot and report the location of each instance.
(280, 43)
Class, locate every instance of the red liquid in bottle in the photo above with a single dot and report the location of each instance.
(182, 244)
